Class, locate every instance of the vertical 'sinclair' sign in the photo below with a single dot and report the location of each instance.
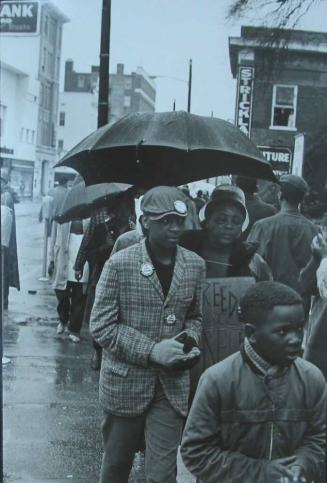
(19, 18)
(243, 113)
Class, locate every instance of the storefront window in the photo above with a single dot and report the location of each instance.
(62, 116)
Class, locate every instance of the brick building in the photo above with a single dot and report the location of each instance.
(281, 100)
(79, 102)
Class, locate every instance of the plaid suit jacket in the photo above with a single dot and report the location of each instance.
(129, 318)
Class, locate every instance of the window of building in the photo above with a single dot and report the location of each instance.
(62, 116)
(27, 135)
(51, 64)
(284, 107)
(53, 31)
(57, 68)
(21, 137)
(3, 111)
(60, 145)
(44, 59)
(127, 101)
(46, 25)
(80, 81)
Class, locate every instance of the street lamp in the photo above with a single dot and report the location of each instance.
(189, 83)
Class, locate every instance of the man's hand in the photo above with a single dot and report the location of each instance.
(298, 474)
(168, 352)
(319, 246)
(51, 269)
(78, 274)
(279, 470)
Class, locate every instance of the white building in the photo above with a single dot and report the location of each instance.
(31, 34)
(78, 115)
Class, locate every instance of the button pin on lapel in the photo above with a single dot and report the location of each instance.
(147, 269)
(171, 319)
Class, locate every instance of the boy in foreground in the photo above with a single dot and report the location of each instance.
(259, 416)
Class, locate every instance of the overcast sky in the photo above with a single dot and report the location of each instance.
(161, 36)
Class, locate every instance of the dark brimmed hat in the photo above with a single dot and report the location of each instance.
(222, 194)
(162, 201)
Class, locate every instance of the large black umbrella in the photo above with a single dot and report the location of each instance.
(169, 148)
(82, 200)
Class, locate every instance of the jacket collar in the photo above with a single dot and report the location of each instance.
(259, 365)
(178, 274)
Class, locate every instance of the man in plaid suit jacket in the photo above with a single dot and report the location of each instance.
(148, 294)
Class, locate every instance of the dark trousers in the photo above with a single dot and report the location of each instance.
(88, 308)
(5, 279)
(122, 436)
(71, 304)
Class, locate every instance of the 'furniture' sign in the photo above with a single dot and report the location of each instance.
(279, 157)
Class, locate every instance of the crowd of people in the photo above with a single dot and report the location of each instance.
(240, 386)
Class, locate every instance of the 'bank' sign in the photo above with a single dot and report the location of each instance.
(243, 113)
(19, 18)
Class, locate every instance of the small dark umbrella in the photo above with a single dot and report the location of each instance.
(172, 148)
(80, 200)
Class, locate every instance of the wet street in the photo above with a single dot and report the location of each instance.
(51, 412)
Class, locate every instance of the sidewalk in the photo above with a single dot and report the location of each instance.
(51, 412)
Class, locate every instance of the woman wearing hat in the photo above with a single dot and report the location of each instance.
(224, 218)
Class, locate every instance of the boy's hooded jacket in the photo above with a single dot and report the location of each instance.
(239, 421)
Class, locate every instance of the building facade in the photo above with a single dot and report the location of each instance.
(31, 34)
(79, 101)
(281, 101)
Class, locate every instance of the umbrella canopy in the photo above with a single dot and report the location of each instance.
(172, 148)
(80, 200)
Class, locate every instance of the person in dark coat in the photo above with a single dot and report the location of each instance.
(259, 415)
(257, 208)
(313, 280)
(199, 201)
(105, 227)
(58, 195)
(285, 238)
(11, 272)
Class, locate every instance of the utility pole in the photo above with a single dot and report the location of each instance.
(189, 87)
(103, 102)
(174, 105)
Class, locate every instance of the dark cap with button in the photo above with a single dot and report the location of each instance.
(295, 181)
(162, 201)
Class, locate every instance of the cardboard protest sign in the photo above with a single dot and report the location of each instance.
(222, 330)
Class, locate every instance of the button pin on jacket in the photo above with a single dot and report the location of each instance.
(171, 319)
(147, 269)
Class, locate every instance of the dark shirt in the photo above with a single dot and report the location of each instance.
(285, 243)
(257, 210)
(164, 272)
(244, 262)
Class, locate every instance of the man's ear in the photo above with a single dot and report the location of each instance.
(144, 219)
(250, 331)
